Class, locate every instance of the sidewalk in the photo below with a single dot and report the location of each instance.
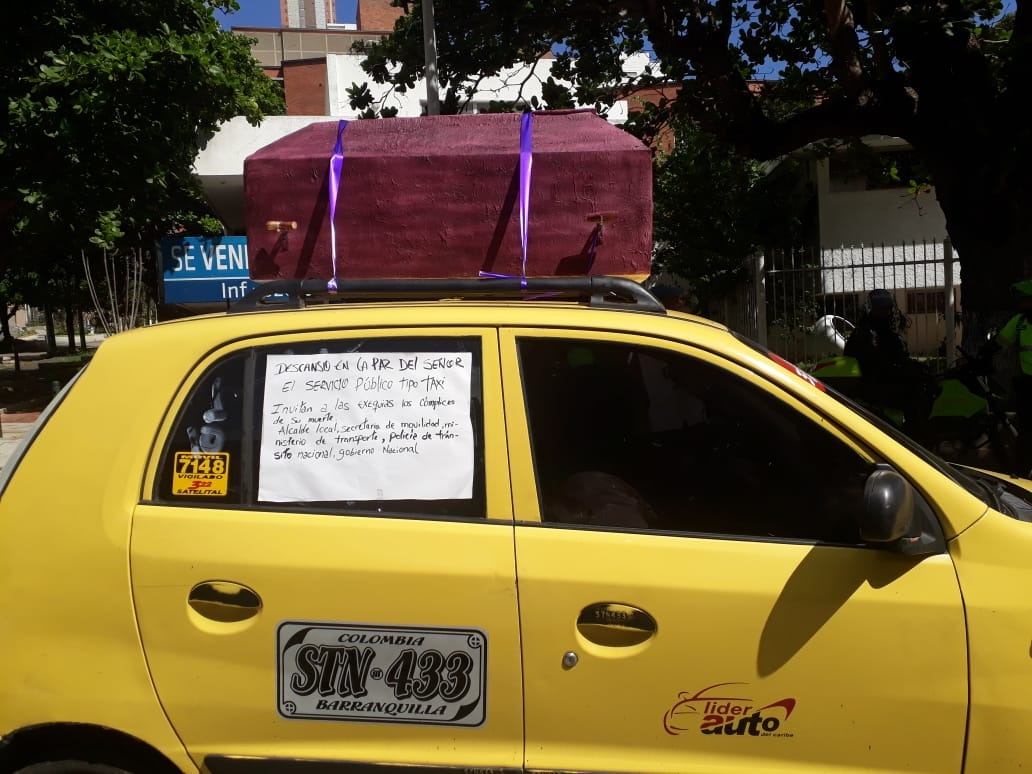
(14, 427)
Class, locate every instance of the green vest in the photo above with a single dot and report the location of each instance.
(1019, 330)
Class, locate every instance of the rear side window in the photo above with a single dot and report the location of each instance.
(203, 456)
(386, 426)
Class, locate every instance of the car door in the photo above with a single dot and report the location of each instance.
(694, 595)
(323, 565)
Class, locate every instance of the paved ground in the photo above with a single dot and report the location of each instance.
(13, 427)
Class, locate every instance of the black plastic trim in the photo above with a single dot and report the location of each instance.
(231, 764)
(601, 291)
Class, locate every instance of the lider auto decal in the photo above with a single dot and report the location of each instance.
(717, 713)
(384, 674)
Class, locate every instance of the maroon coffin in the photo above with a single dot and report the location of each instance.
(437, 196)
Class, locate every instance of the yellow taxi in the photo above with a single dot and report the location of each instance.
(496, 526)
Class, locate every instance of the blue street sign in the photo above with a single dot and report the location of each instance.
(204, 269)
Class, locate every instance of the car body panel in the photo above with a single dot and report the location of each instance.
(217, 680)
(856, 639)
(756, 620)
(992, 560)
(71, 644)
(864, 652)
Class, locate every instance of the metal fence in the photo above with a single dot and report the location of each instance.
(803, 303)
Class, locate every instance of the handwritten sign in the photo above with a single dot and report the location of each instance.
(367, 426)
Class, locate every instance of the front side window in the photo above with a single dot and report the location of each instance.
(357, 425)
(639, 437)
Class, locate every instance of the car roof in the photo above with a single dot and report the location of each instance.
(600, 291)
(588, 302)
(604, 304)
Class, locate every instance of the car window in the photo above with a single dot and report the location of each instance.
(203, 455)
(371, 425)
(951, 470)
(638, 437)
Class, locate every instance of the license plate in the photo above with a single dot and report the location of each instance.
(382, 674)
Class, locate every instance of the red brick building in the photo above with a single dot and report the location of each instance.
(295, 53)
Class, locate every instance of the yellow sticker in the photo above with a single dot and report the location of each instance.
(201, 474)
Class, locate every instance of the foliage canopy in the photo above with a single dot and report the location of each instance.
(769, 77)
(107, 102)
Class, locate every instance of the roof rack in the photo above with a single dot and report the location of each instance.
(601, 291)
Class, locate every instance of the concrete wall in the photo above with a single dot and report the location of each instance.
(343, 70)
(889, 216)
(220, 163)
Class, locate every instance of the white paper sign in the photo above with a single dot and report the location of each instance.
(367, 426)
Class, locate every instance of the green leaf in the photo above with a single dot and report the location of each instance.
(106, 102)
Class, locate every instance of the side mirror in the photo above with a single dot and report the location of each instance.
(888, 507)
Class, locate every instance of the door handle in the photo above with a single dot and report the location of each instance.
(224, 601)
(615, 625)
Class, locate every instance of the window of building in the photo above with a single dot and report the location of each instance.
(874, 169)
(926, 302)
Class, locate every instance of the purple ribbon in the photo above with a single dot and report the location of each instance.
(596, 237)
(336, 165)
(526, 162)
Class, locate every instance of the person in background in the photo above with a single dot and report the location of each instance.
(878, 342)
(672, 297)
(1016, 335)
(891, 377)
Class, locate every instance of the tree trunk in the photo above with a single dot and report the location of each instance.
(5, 324)
(51, 334)
(70, 328)
(82, 329)
(991, 231)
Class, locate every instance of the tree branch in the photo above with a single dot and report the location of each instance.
(844, 45)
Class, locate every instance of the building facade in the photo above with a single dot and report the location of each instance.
(301, 14)
(317, 60)
(316, 66)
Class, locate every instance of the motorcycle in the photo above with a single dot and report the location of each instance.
(959, 414)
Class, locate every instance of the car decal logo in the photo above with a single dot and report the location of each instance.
(718, 712)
